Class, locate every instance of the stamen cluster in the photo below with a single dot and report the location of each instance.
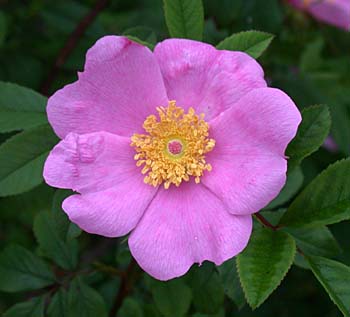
(159, 164)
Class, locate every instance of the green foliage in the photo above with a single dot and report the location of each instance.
(85, 301)
(167, 299)
(335, 278)
(307, 60)
(22, 270)
(59, 304)
(184, 18)
(208, 291)
(253, 43)
(131, 308)
(20, 108)
(230, 279)
(294, 182)
(31, 308)
(325, 201)
(28, 151)
(264, 263)
(51, 231)
(2, 27)
(312, 132)
(316, 241)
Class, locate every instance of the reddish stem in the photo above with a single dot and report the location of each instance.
(71, 43)
(125, 287)
(265, 222)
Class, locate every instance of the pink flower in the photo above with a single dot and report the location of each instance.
(334, 12)
(184, 185)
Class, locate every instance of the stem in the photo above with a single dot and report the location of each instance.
(265, 222)
(127, 280)
(71, 43)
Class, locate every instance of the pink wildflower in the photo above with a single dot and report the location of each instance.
(334, 12)
(144, 161)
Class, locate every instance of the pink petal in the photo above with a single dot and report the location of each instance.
(112, 212)
(91, 162)
(183, 226)
(198, 75)
(249, 168)
(334, 12)
(120, 86)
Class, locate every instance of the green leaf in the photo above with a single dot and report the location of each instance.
(316, 241)
(20, 108)
(208, 291)
(68, 229)
(23, 208)
(184, 18)
(253, 43)
(311, 59)
(142, 42)
(341, 127)
(85, 301)
(22, 270)
(130, 308)
(264, 263)
(294, 182)
(324, 201)
(167, 299)
(230, 280)
(312, 132)
(142, 33)
(335, 278)
(22, 158)
(51, 229)
(32, 308)
(59, 304)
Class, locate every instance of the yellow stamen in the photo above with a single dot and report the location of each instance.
(174, 147)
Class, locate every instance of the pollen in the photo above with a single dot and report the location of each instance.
(174, 146)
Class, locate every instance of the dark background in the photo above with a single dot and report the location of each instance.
(307, 59)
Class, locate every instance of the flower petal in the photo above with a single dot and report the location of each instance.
(248, 163)
(120, 86)
(91, 162)
(209, 80)
(335, 12)
(112, 212)
(183, 226)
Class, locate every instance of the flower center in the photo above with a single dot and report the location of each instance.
(174, 146)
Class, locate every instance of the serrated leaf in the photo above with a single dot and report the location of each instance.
(22, 158)
(316, 241)
(324, 201)
(59, 304)
(184, 18)
(85, 301)
(208, 290)
(22, 270)
(167, 299)
(253, 43)
(32, 308)
(311, 134)
(230, 280)
(335, 278)
(20, 108)
(264, 263)
(50, 229)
